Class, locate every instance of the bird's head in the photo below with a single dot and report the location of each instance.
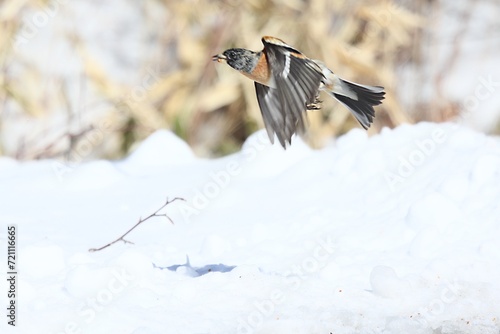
(239, 59)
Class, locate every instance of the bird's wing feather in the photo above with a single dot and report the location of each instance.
(271, 110)
(297, 81)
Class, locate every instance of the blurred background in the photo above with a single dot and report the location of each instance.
(88, 79)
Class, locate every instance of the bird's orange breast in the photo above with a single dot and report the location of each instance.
(261, 73)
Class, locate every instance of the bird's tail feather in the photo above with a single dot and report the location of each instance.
(359, 99)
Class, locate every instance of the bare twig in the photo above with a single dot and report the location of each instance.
(27, 148)
(141, 220)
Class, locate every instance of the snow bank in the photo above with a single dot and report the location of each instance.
(397, 233)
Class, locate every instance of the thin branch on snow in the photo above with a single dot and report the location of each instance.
(141, 220)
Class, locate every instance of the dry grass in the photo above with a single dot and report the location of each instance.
(361, 40)
(210, 106)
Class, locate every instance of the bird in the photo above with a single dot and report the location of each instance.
(287, 84)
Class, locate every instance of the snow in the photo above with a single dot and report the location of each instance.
(396, 233)
(161, 148)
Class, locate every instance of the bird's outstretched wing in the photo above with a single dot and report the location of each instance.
(273, 111)
(296, 82)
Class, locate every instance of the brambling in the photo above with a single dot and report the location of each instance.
(288, 83)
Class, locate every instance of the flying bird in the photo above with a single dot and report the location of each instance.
(288, 83)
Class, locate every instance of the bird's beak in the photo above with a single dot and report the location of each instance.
(220, 58)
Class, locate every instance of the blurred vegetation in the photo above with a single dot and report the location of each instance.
(90, 112)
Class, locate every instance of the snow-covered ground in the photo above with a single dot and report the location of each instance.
(397, 233)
